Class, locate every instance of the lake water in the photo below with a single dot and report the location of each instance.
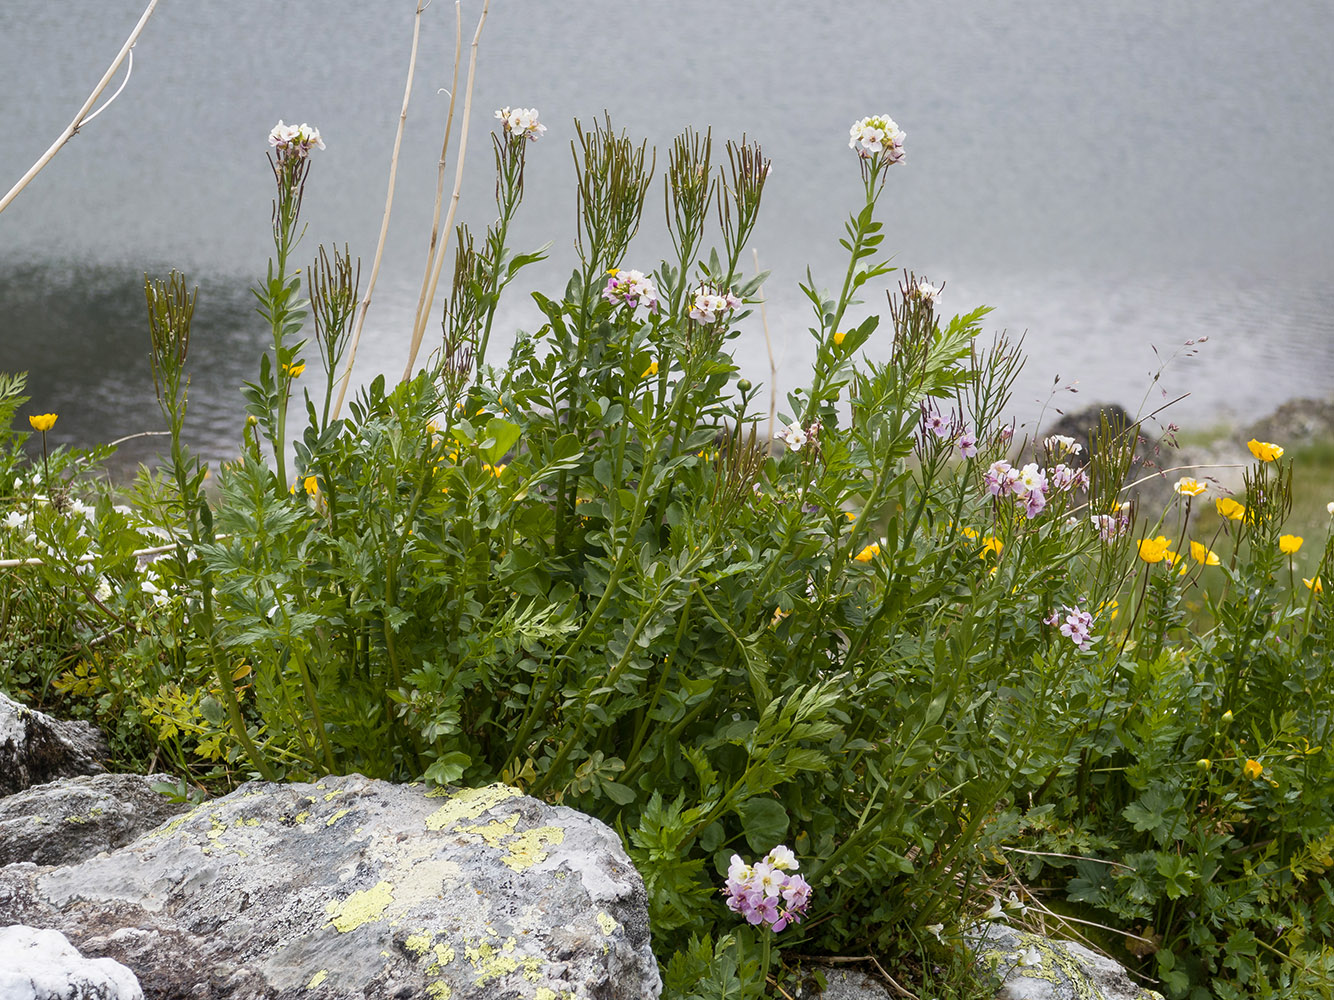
(1110, 178)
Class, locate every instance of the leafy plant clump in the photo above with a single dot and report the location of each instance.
(884, 647)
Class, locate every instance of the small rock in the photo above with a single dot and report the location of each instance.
(70, 819)
(35, 748)
(1032, 967)
(43, 965)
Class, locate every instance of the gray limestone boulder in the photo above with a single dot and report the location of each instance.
(359, 888)
(35, 748)
(71, 819)
(1033, 967)
(43, 965)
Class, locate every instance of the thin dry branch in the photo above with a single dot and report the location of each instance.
(346, 377)
(458, 182)
(769, 346)
(436, 249)
(83, 117)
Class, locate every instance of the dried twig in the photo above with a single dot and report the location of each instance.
(436, 249)
(346, 377)
(458, 180)
(82, 118)
(769, 346)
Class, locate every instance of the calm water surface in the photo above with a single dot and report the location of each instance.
(1110, 178)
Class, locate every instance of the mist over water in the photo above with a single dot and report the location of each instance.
(1109, 178)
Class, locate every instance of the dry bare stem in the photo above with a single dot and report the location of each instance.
(82, 117)
(346, 377)
(435, 250)
(458, 184)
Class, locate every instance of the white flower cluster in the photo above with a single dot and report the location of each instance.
(521, 122)
(877, 135)
(295, 140)
(710, 303)
(631, 288)
(926, 291)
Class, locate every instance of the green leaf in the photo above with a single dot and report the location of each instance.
(503, 434)
(765, 822)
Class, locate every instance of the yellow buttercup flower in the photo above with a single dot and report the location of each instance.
(991, 544)
(652, 369)
(868, 553)
(292, 371)
(1155, 550)
(1188, 487)
(838, 338)
(1265, 451)
(968, 532)
(1252, 769)
(1314, 584)
(1229, 508)
(312, 484)
(1203, 554)
(1289, 544)
(43, 422)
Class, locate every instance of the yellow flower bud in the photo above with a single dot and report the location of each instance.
(43, 422)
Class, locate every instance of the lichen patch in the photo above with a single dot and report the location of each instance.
(529, 847)
(361, 907)
(469, 803)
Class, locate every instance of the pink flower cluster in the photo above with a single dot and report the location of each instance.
(933, 422)
(710, 303)
(1076, 626)
(769, 891)
(1114, 525)
(632, 289)
(1031, 485)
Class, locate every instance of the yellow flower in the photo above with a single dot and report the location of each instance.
(1114, 606)
(495, 470)
(838, 338)
(1155, 550)
(1313, 584)
(968, 532)
(991, 544)
(1252, 769)
(1264, 450)
(1203, 554)
(44, 422)
(613, 271)
(1289, 544)
(868, 553)
(292, 371)
(652, 369)
(1188, 487)
(312, 484)
(1230, 509)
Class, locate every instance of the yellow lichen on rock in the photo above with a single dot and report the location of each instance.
(361, 907)
(606, 922)
(529, 847)
(336, 817)
(439, 990)
(419, 944)
(490, 962)
(469, 804)
(495, 832)
(318, 978)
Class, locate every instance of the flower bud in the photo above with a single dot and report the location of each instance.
(1204, 764)
(744, 385)
(1227, 717)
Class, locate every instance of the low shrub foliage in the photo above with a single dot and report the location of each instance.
(926, 659)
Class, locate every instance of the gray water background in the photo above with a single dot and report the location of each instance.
(1113, 179)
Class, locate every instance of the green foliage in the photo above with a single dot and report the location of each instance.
(585, 573)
